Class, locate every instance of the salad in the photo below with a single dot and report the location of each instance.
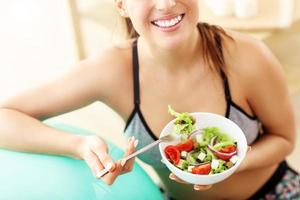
(209, 152)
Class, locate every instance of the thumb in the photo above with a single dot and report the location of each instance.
(127, 165)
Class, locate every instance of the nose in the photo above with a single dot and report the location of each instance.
(165, 4)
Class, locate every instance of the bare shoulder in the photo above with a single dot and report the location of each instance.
(259, 76)
(103, 77)
(112, 59)
(249, 59)
(113, 65)
(262, 80)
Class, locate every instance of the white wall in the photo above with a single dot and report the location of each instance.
(36, 43)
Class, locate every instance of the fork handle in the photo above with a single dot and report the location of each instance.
(142, 150)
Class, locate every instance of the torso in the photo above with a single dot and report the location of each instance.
(198, 94)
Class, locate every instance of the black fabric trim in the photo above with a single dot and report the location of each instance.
(136, 87)
(140, 114)
(130, 118)
(272, 182)
(227, 93)
(227, 109)
(226, 86)
(229, 98)
(243, 111)
(135, 63)
(145, 124)
(292, 170)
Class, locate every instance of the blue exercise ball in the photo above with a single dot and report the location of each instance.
(30, 176)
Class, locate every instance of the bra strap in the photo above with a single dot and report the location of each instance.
(218, 40)
(136, 84)
(226, 86)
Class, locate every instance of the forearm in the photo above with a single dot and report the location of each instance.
(268, 150)
(23, 133)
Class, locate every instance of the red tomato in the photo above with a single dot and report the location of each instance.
(202, 169)
(173, 154)
(187, 146)
(228, 149)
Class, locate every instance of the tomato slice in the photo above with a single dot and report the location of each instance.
(202, 169)
(173, 154)
(187, 146)
(228, 149)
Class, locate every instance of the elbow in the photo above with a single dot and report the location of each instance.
(291, 143)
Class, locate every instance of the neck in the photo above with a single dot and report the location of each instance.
(177, 58)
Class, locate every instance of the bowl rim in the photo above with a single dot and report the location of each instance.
(232, 169)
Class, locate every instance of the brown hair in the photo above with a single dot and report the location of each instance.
(212, 37)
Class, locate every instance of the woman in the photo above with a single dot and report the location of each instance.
(175, 60)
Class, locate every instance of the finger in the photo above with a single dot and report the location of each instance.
(129, 150)
(249, 148)
(94, 163)
(110, 177)
(128, 165)
(202, 187)
(175, 178)
(105, 159)
(119, 168)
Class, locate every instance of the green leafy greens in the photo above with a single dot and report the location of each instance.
(184, 123)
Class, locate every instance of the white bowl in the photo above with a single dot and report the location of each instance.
(204, 120)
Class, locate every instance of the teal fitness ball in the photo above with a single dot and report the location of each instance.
(27, 176)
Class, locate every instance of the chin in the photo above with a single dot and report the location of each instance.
(172, 42)
(169, 44)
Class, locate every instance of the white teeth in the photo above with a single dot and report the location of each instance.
(168, 23)
(179, 17)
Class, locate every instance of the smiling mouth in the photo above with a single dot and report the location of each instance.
(169, 22)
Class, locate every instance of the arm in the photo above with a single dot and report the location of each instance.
(91, 80)
(20, 128)
(262, 80)
(21, 132)
(268, 96)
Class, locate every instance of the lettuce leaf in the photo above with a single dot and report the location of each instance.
(184, 123)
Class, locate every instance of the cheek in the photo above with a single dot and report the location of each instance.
(193, 10)
(139, 23)
(139, 20)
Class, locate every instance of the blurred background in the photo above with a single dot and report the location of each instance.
(41, 39)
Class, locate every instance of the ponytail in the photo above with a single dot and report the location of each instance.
(130, 31)
(212, 39)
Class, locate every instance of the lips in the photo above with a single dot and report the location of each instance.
(168, 22)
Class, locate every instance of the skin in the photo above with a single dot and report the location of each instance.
(174, 61)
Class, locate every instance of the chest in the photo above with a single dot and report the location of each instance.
(191, 92)
(184, 96)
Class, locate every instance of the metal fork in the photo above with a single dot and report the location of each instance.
(169, 137)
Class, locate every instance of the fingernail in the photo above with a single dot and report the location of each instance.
(133, 138)
(108, 166)
(129, 139)
(123, 162)
(135, 143)
(171, 176)
(196, 187)
(99, 173)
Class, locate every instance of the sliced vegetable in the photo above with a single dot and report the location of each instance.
(186, 146)
(228, 149)
(183, 164)
(221, 155)
(173, 154)
(202, 169)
